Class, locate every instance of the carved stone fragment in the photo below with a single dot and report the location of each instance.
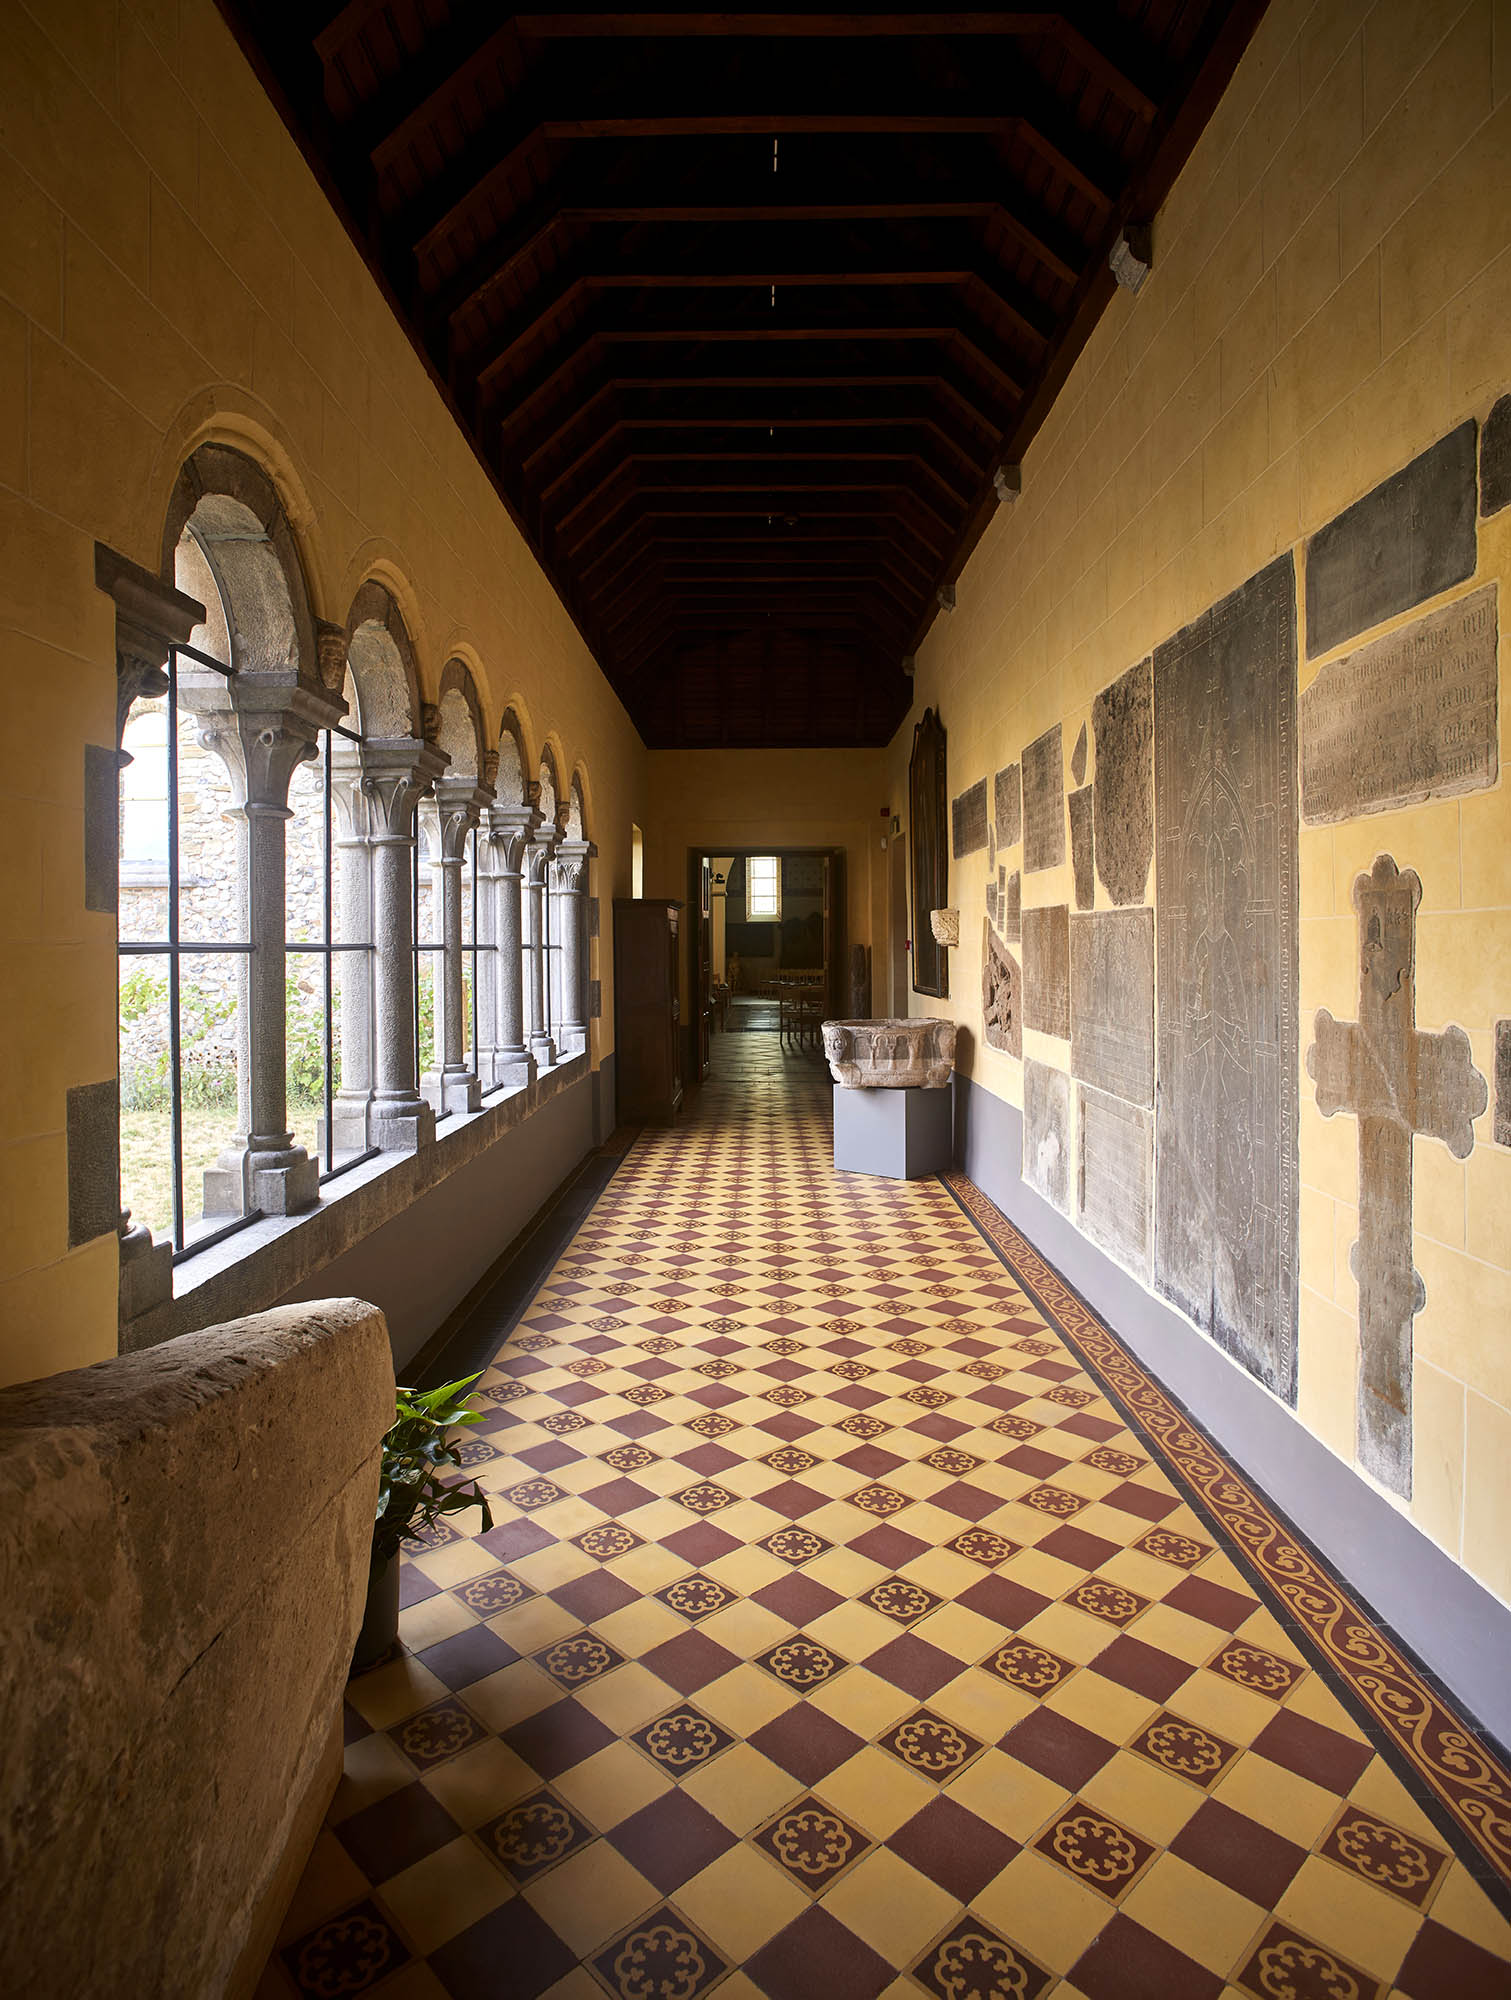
(1408, 717)
(1503, 1083)
(1078, 758)
(917, 1053)
(993, 908)
(1122, 717)
(1412, 537)
(1044, 802)
(1046, 1133)
(1115, 1179)
(1081, 847)
(1397, 1081)
(1001, 988)
(1007, 805)
(968, 819)
(1495, 459)
(1226, 1182)
(1012, 908)
(1112, 1002)
(1046, 969)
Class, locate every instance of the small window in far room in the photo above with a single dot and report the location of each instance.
(763, 887)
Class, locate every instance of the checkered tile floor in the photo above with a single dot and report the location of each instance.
(836, 1638)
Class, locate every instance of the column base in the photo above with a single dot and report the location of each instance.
(146, 1272)
(401, 1128)
(513, 1067)
(543, 1049)
(462, 1091)
(285, 1183)
(574, 1039)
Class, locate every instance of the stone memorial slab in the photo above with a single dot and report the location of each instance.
(1012, 908)
(1226, 1183)
(1081, 847)
(1078, 758)
(1001, 997)
(1397, 1081)
(1503, 1083)
(1412, 537)
(1007, 805)
(993, 912)
(968, 820)
(1044, 802)
(1495, 459)
(1046, 969)
(1115, 1179)
(94, 1160)
(1122, 717)
(1046, 1133)
(1409, 717)
(1112, 1002)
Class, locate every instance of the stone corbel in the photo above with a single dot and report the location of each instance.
(150, 617)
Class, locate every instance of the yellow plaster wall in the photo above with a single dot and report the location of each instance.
(1331, 294)
(170, 272)
(725, 800)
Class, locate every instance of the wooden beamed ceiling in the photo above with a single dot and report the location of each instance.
(743, 312)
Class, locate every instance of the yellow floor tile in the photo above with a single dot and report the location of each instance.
(371, 1769)
(441, 1895)
(1070, 1633)
(532, 1626)
(890, 1905)
(863, 1701)
(1199, 1916)
(626, 1698)
(1102, 1706)
(609, 1787)
(1277, 1798)
(982, 1703)
(1143, 1797)
(454, 1564)
(1006, 1794)
(433, 1619)
(1038, 1906)
(481, 1783)
(390, 1693)
(1365, 1924)
(742, 1788)
(591, 1896)
(639, 1626)
(741, 1901)
(1463, 1906)
(876, 1791)
(1234, 1713)
(511, 1694)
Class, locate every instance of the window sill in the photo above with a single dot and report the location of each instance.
(258, 1265)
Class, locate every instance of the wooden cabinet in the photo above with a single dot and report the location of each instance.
(647, 1025)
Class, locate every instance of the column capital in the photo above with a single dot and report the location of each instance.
(509, 829)
(395, 771)
(261, 726)
(150, 616)
(459, 805)
(570, 865)
(538, 852)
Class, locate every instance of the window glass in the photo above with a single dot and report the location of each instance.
(763, 887)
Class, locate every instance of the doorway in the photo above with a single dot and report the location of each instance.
(769, 926)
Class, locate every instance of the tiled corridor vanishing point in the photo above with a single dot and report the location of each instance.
(840, 1636)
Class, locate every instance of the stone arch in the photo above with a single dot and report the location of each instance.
(578, 819)
(381, 659)
(513, 758)
(550, 784)
(460, 732)
(227, 540)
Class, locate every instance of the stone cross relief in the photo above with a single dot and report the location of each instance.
(1398, 1082)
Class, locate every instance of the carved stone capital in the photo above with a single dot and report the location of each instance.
(509, 830)
(570, 872)
(261, 728)
(395, 771)
(458, 806)
(150, 616)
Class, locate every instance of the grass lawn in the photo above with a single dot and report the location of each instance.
(147, 1151)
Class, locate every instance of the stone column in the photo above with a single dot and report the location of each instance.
(353, 970)
(150, 617)
(510, 828)
(455, 1087)
(541, 846)
(261, 725)
(485, 912)
(571, 870)
(395, 772)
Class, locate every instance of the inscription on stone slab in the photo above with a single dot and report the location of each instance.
(1409, 539)
(1046, 969)
(1115, 1179)
(1012, 908)
(1122, 717)
(1495, 459)
(1046, 1133)
(992, 915)
(94, 1161)
(1044, 802)
(1409, 717)
(1112, 1002)
(1226, 1184)
(1078, 758)
(1007, 796)
(968, 819)
(1081, 847)
(1001, 997)
(1503, 1083)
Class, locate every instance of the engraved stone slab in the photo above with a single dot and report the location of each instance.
(993, 914)
(1411, 538)
(1112, 1002)
(1078, 758)
(102, 839)
(1007, 800)
(1012, 908)
(1115, 1179)
(94, 1161)
(968, 819)
(1081, 847)
(1398, 1081)
(1044, 802)
(1046, 969)
(1408, 717)
(1046, 1133)
(1001, 1002)
(1503, 1083)
(1122, 717)
(1226, 1182)
(1495, 459)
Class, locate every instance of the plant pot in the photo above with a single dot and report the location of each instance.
(380, 1620)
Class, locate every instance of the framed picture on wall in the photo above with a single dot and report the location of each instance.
(928, 855)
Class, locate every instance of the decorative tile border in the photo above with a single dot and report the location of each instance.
(1463, 1772)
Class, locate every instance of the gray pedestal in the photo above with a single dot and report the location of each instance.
(902, 1134)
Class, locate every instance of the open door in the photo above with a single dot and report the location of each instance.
(836, 951)
(700, 963)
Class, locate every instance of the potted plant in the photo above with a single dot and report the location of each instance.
(412, 1495)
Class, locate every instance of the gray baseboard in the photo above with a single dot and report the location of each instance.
(1455, 1627)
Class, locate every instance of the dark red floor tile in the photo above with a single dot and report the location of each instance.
(396, 1832)
(532, 1836)
(514, 1539)
(1312, 1751)
(1210, 1602)
(953, 1847)
(806, 1742)
(1129, 1963)
(347, 1954)
(1442, 1965)
(699, 1543)
(671, 1839)
(997, 1597)
(660, 1955)
(594, 1595)
(1145, 1669)
(467, 1656)
(815, 1955)
(556, 1738)
(1057, 1747)
(689, 1661)
(892, 1547)
(914, 1665)
(1075, 1545)
(1239, 1852)
(797, 1598)
(511, 1950)
(973, 1962)
(682, 1740)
